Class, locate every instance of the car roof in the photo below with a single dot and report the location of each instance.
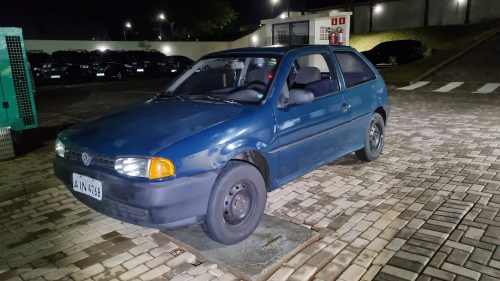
(275, 50)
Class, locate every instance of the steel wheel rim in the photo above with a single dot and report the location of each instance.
(375, 136)
(237, 204)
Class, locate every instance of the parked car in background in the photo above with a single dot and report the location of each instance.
(395, 52)
(37, 60)
(113, 64)
(76, 66)
(237, 124)
(178, 64)
(150, 63)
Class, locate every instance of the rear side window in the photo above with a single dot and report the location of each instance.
(313, 73)
(354, 69)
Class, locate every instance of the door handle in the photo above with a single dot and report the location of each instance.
(5, 104)
(345, 107)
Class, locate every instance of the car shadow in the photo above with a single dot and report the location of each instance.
(30, 140)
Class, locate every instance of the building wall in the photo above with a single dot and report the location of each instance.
(411, 13)
(361, 19)
(400, 14)
(446, 12)
(482, 10)
(194, 50)
(254, 39)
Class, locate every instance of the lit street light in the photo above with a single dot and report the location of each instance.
(128, 25)
(161, 18)
(276, 2)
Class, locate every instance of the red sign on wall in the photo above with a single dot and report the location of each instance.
(336, 21)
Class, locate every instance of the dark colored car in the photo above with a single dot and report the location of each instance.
(150, 63)
(237, 124)
(72, 66)
(178, 64)
(37, 60)
(395, 52)
(114, 64)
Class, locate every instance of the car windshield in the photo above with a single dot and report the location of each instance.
(242, 79)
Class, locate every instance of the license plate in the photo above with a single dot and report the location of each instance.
(87, 186)
(100, 74)
(173, 70)
(140, 70)
(55, 76)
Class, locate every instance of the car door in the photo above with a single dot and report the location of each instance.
(361, 91)
(307, 133)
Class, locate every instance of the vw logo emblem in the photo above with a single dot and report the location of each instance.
(86, 159)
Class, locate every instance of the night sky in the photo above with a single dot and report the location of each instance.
(101, 19)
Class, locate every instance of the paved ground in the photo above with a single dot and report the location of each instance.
(428, 209)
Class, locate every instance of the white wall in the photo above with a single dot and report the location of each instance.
(194, 50)
(254, 39)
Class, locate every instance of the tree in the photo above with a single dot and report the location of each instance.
(204, 18)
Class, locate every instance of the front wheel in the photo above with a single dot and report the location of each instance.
(236, 204)
(374, 139)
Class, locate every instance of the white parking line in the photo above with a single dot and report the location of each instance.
(487, 88)
(414, 86)
(448, 87)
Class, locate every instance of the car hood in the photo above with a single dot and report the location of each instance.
(146, 128)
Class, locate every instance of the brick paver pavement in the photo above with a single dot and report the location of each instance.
(428, 209)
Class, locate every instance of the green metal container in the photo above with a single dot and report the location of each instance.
(17, 104)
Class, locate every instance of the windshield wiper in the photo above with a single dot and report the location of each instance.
(165, 97)
(192, 97)
(212, 98)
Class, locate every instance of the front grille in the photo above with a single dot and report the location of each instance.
(6, 145)
(20, 80)
(97, 159)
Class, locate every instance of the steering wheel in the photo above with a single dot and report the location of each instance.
(257, 86)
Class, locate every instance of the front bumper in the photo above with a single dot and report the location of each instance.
(166, 204)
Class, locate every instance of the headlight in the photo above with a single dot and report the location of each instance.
(59, 148)
(152, 168)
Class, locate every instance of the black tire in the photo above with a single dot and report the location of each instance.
(236, 204)
(374, 139)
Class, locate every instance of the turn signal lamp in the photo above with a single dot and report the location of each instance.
(161, 168)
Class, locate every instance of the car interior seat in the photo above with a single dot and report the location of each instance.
(310, 79)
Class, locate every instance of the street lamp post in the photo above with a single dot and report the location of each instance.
(161, 18)
(128, 25)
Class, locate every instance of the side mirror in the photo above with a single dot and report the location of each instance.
(300, 96)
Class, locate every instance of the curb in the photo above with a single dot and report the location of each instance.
(439, 66)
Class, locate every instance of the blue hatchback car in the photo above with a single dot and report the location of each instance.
(237, 124)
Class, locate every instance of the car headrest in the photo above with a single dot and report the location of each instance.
(307, 75)
(257, 74)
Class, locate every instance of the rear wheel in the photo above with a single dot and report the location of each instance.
(236, 204)
(374, 139)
